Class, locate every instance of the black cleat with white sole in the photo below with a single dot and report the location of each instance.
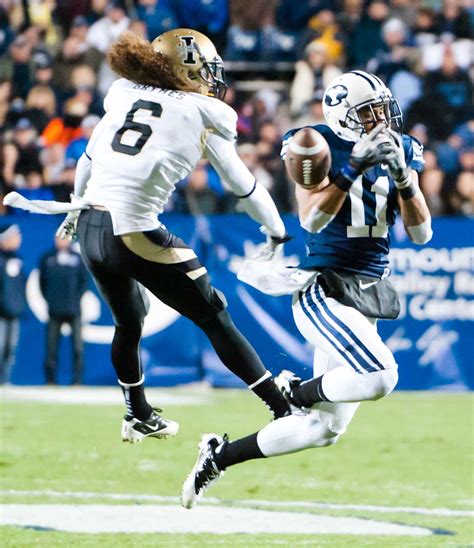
(156, 426)
(205, 472)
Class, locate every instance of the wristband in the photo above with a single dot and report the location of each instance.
(350, 172)
(282, 240)
(408, 192)
(342, 182)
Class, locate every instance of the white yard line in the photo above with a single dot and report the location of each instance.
(92, 395)
(101, 518)
(213, 501)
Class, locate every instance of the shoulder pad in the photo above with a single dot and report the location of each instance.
(413, 152)
(218, 116)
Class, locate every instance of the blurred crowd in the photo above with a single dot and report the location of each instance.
(53, 78)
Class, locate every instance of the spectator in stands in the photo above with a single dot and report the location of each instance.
(210, 17)
(202, 191)
(312, 113)
(21, 155)
(268, 149)
(348, 20)
(453, 20)
(106, 30)
(424, 29)
(20, 54)
(139, 28)
(64, 129)
(5, 93)
(366, 39)
(63, 184)
(77, 146)
(448, 93)
(33, 189)
(291, 15)
(431, 183)
(249, 155)
(84, 89)
(40, 106)
(79, 28)
(462, 198)
(42, 69)
(7, 34)
(313, 73)
(12, 297)
(73, 54)
(244, 36)
(323, 28)
(63, 282)
(66, 11)
(406, 10)
(395, 52)
(158, 16)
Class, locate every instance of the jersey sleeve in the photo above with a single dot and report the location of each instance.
(413, 153)
(218, 117)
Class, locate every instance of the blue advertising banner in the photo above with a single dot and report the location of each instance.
(432, 339)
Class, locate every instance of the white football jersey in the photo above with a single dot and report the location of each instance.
(149, 139)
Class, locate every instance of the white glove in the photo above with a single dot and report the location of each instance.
(397, 166)
(67, 229)
(273, 245)
(371, 150)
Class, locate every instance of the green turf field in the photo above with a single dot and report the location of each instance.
(409, 450)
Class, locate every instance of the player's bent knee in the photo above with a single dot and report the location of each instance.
(386, 382)
(323, 436)
(330, 438)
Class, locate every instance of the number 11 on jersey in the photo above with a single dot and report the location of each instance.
(358, 228)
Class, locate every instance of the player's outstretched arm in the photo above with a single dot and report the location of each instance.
(254, 198)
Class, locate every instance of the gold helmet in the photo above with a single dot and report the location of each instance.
(194, 59)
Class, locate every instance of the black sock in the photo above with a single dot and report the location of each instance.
(135, 401)
(308, 393)
(239, 356)
(269, 393)
(237, 451)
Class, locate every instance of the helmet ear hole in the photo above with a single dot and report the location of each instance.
(191, 75)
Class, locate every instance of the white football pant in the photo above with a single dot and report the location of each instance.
(356, 365)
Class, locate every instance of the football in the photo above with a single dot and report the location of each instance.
(308, 158)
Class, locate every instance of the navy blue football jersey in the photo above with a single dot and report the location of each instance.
(358, 238)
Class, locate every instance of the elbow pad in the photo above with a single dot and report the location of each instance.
(420, 234)
(316, 220)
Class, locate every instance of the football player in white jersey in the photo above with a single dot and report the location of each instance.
(162, 116)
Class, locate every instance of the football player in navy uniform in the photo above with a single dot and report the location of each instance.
(347, 219)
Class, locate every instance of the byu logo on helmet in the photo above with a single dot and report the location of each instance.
(335, 95)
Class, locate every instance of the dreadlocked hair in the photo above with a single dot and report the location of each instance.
(133, 58)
